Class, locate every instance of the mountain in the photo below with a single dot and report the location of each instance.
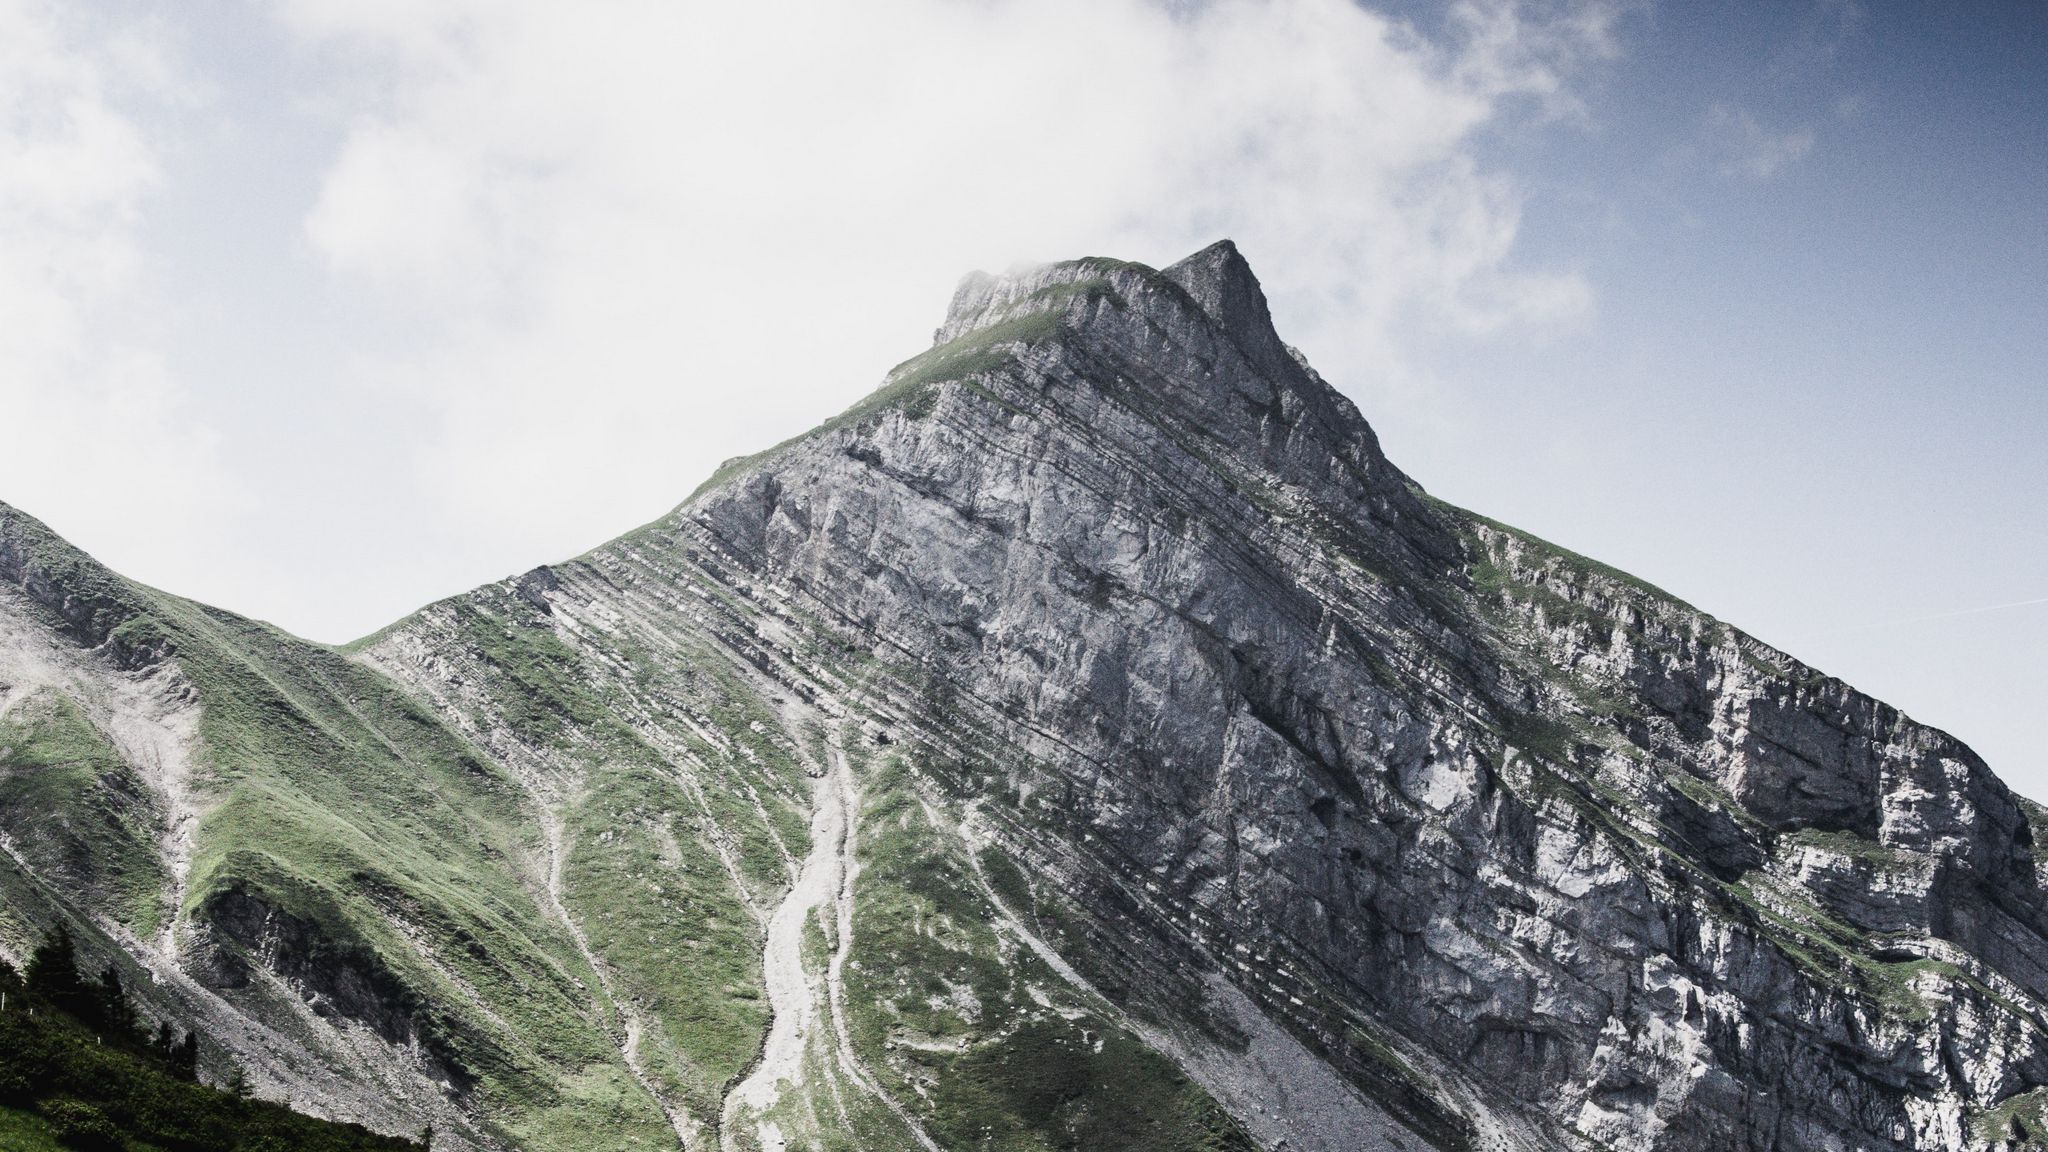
(81, 1069)
(1090, 740)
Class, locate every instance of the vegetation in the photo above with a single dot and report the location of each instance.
(938, 998)
(912, 385)
(93, 600)
(653, 898)
(76, 810)
(536, 678)
(1501, 584)
(393, 851)
(2037, 823)
(663, 844)
(26, 1132)
(2018, 1123)
(1845, 843)
(374, 855)
(1564, 558)
(79, 1069)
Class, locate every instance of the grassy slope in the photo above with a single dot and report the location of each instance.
(345, 804)
(342, 805)
(1009, 1056)
(76, 811)
(27, 1132)
(660, 752)
(106, 1086)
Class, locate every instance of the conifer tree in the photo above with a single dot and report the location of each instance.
(185, 1058)
(53, 973)
(110, 1004)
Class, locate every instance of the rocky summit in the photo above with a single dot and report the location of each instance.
(1088, 741)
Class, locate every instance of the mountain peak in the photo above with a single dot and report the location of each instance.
(982, 300)
(1191, 345)
(1217, 280)
(1220, 280)
(1219, 262)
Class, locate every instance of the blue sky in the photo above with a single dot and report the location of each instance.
(326, 308)
(1812, 395)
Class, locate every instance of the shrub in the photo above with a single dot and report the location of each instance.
(77, 1124)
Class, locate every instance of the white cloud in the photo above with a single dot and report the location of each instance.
(553, 262)
(642, 236)
(1747, 148)
(1824, 30)
(96, 435)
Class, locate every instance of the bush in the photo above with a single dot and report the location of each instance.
(15, 1086)
(77, 1124)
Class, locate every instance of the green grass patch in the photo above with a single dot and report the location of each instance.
(538, 679)
(387, 854)
(672, 761)
(2019, 1121)
(1843, 842)
(1713, 798)
(77, 812)
(26, 1132)
(939, 999)
(655, 901)
(1566, 559)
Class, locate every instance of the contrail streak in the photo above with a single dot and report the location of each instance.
(1946, 615)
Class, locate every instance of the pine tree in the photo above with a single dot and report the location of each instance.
(110, 1004)
(185, 1058)
(166, 1040)
(53, 973)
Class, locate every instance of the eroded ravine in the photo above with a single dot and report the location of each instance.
(150, 717)
(841, 783)
(824, 887)
(791, 993)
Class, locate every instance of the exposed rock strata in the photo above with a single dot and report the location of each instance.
(1186, 724)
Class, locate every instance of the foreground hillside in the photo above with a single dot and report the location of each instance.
(81, 1068)
(1089, 741)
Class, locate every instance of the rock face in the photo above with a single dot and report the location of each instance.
(1108, 747)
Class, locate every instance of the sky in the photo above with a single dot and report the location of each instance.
(321, 310)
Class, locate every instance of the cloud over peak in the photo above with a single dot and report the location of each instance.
(546, 264)
(581, 193)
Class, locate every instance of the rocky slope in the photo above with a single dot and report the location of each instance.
(1090, 740)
